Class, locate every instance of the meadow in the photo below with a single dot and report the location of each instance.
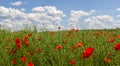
(60, 48)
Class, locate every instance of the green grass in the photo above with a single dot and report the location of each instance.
(52, 57)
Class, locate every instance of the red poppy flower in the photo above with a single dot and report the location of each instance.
(30, 34)
(59, 27)
(27, 44)
(59, 47)
(64, 41)
(73, 29)
(73, 47)
(110, 33)
(117, 46)
(30, 64)
(23, 58)
(68, 35)
(111, 39)
(8, 40)
(69, 32)
(72, 62)
(18, 45)
(97, 34)
(25, 39)
(14, 61)
(106, 60)
(79, 44)
(39, 50)
(118, 36)
(87, 53)
(18, 42)
(52, 33)
(13, 52)
(104, 34)
(31, 53)
(76, 30)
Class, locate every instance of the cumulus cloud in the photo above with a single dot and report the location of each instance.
(100, 18)
(49, 17)
(23, 9)
(101, 22)
(118, 9)
(118, 15)
(92, 11)
(17, 3)
(14, 18)
(76, 16)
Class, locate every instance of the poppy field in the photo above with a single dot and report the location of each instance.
(60, 48)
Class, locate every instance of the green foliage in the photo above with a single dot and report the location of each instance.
(50, 56)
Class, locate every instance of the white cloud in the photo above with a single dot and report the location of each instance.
(101, 22)
(17, 3)
(49, 17)
(76, 16)
(16, 19)
(23, 9)
(118, 16)
(92, 11)
(118, 9)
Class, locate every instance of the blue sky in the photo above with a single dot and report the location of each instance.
(106, 11)
(67, 5)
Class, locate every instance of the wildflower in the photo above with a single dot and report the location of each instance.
(23, 58)
(76, 30)
(59, 47)
(74, 36)
(18, 42)
(31, 53)
(64, 41)
(39, 50)
(72, 62)
(118, 36)
(69, 32)
(67, 35)
(117, 46)
(30, 64)
(25, 39)
(27, 44)
(110, 33)
(87, 53)
(14, 61)
(97, 34)
(30, 34)
(72, 29)
(106, 60)
(8, 40)
(13, 52)
(104, 34)
(111, 39)
(79, 44)
(59, 27)
(73, 47)
(52, 33)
